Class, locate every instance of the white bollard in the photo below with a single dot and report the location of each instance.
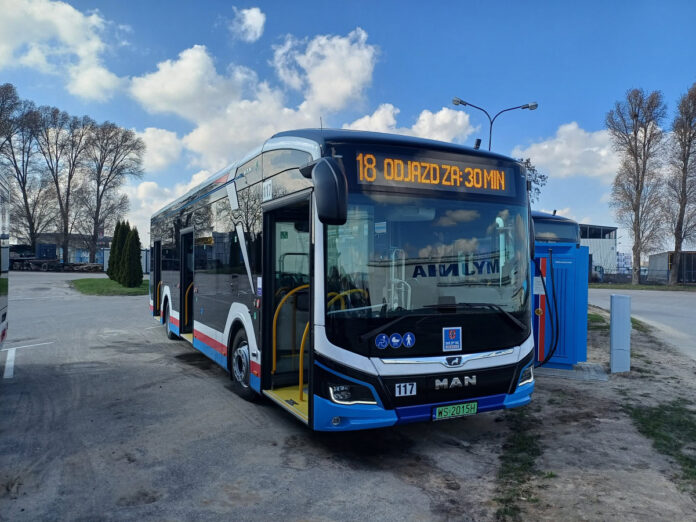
(620, 333)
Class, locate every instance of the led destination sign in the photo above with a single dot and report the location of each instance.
(394, 171)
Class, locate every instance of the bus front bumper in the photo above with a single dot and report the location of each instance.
(329, 416)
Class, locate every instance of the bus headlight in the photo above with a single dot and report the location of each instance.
(527, 375)
(351, 393)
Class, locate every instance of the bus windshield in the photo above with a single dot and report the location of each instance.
(417, 265)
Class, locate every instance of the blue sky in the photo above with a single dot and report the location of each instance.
(205, 81)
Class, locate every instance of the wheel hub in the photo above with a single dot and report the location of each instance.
(240, 365)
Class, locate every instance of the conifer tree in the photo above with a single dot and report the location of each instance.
(132, 269)
(113, 254)
(119, 266)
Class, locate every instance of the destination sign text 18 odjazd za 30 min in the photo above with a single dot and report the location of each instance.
(377, 169)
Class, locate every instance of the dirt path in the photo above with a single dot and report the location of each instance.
(594, 462)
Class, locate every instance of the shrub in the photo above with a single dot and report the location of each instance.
(120, 260)
(113, 254)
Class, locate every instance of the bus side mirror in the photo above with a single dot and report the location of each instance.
(330, 190)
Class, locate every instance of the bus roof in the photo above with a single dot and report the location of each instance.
(537, 214)
(320, 138)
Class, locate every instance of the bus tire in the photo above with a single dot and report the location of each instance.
(239, 366)
(170, 335)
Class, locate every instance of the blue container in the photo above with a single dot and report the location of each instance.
(44, 251)
(570, 273)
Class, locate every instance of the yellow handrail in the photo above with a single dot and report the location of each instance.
(158, 297)
(275, 321)
(186, 304)
(347, 292)
(304, 338)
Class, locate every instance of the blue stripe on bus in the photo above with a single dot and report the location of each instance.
(353, 417)
(255, 382)
(424, 412)
(210, 353)
(173, 329)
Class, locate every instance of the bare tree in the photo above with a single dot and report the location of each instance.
(32, 202)
(62, 141)
(680, 203)
(9, 100)
(634, 126)
(537, 178)
(113, 155)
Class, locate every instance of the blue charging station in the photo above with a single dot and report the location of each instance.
(557, 248)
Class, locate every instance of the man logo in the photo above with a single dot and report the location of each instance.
(452, 334)
(445, 384)
(454, 361)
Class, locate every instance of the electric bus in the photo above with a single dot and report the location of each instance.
(358, 280)
(4, 253)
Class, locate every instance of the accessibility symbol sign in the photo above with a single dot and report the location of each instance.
(382, 341)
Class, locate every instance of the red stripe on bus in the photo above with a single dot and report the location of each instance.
(152, 308)
(215, 345)
(255, 368)
(174, 321)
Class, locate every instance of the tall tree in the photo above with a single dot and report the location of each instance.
(32, 203)
(62, 141)
(537, 178)
(9, 101)
(121, 252)
(113, 155)
(113, 254)
(680, 203)
(634, 126)
(132, 269)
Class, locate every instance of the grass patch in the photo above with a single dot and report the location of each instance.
(672, 429)
(639, 325)
(596, 322)
(628, 286)
(517, 464)
(94, 286)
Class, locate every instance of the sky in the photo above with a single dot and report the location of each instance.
(204, 82)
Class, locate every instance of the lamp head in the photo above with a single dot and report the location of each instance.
(458, 101)
(531, 106)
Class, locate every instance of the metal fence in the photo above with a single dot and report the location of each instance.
(647, 277)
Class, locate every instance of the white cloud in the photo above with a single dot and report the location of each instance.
(248, 24)
(573, 152)
(233, 111)
(147, 197)
(162, 148)
(332, 70)
(445, 125)
(54, 37)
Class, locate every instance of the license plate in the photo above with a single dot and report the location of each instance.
(455, 410)
(404, 389)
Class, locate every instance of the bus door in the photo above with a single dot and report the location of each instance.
(156, 277)
(286, 297)
(186, 286)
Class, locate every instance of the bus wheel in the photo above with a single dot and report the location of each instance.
(240, 367)
(170, 335)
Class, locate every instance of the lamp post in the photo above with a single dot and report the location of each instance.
(531, 106)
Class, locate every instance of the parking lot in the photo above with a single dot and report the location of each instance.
(103, 418)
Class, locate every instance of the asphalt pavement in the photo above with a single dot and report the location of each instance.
(102, 418)
(671, 313)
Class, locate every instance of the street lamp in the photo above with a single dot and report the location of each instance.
(458, 101)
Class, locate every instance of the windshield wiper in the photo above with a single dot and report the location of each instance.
(514, 320)
(379, 329)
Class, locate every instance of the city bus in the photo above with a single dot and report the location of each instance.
(4, 253)
(358, 280)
